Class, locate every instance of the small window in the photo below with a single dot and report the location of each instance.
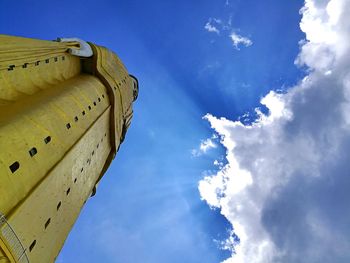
(14, 167)
(32, 245)
(47, 139)
(33, 152)
(58, 205)
(47, 223)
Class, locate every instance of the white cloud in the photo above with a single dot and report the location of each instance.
(210, 28)
(285, 188)
(238, 40)
(204, 146)
(215, 25)
(212, 25)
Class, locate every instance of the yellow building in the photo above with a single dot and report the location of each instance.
(65, 107)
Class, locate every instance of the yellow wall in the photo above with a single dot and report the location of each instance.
(61, 121)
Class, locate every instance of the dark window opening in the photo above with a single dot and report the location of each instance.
(32, 245)
(47, 139)
(47, 223)
(58, 205)
(14, 167)
(33, 152)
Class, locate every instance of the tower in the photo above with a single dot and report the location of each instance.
(65, 107)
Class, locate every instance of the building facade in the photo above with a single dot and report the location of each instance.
(65, 107)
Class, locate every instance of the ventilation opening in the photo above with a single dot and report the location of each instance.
(58, 205)
(76, 119)
(94, 103)
(14, 167)
(93, 152)
(83, 112)
(81, 170)
(11, 67)
(68, 191)
(24, 65)
(75, 180)
(99, 99)
(47, 139)
(32, 245)
(47, 223)
(89, 107)
(33, 152)
(47, 60)
(68, 126)
(103, 96)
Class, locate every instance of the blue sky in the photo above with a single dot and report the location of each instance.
(148, 207)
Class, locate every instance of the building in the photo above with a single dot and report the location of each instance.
(65, 107)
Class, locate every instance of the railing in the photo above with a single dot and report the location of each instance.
(9, 238)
